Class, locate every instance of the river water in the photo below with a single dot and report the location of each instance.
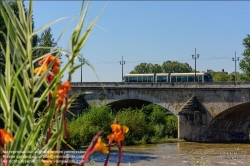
(179, 154)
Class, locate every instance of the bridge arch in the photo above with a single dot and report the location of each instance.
(129, 103)
(135, 96)
(230, 125)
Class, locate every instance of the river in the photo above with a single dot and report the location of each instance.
(179, 154)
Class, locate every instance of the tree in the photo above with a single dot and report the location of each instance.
(220, 77)
(245, 62)
(176, 67)
(156, 68)
(13, 5)
(239, 77)
(231, 77)
(144, 68)
(46, 40)
(47, 43)
(166, 67)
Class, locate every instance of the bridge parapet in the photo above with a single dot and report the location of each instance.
(212, 85)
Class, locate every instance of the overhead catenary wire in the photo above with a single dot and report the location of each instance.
(161, 61)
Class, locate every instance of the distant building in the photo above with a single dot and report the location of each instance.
(224, 71)
(210, 70)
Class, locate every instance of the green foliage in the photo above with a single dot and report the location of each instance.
(242, 77)
(150, 124)
(224, 77)
(135, 120)
(245, 62)
(220, 76)
(46, 42)
(156, 68)
(144, 68)
(176, 67)
(14, 6)
(94, 119)
(172, 126)
(231, 77)
(166, 67)
(158, 115)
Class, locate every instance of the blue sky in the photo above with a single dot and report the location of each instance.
(152, 32)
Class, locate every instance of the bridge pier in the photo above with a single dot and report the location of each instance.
(192, 121)
(78, 106)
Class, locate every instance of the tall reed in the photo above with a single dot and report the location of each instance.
(21, 82)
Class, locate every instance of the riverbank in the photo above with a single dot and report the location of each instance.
(171, 140)
(160, 141)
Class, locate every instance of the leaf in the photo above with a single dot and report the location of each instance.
(47, 25)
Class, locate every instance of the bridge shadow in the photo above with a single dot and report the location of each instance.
(128, 103)
(231, 125)
(127, 157)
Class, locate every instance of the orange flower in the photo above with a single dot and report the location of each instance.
(100, 146)
(5, 137)
(119, 132)
(48, 59)
(95, 145)
(41, 69)
(45, 62)
(64, 88)
(55, 69)
(49, 78)
(118, 136)
(62, 91)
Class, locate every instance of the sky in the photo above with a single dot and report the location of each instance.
(151, 32)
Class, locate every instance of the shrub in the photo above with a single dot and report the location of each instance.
(147, 125)
(172, 126)
(82, 129)
(136, 122)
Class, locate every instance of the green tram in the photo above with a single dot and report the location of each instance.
(168, 77)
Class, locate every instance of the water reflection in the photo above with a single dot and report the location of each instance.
(179, 154)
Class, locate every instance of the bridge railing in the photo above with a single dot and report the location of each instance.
(214, 85)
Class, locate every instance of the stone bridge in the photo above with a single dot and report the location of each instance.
(212, 112)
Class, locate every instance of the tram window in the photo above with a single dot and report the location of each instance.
(139, 79)
(150, 79)
(173, 78)
(197, 78)
(184, 78)
(132, 79)
(161, 78)
(126, 79)
(145, 79)
(200, 78)
(179, 78)
(190, 78)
